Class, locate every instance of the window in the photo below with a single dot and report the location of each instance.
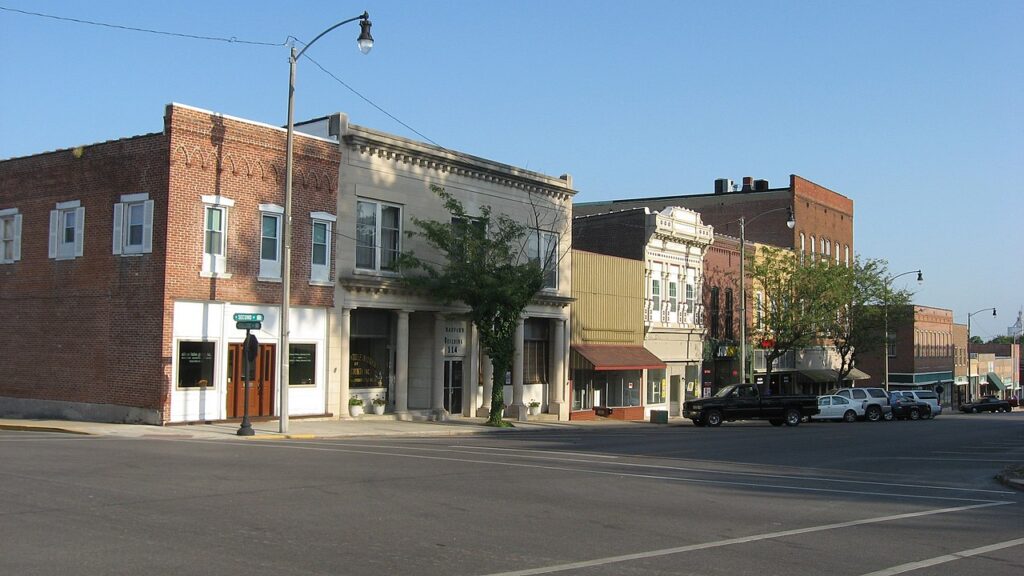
(714, 311)
(535, 351)
(728, 314)
(460, 228)
(691, 295)
(812, 245)
(195, 364)
(542, 249)
(301, 364)
(10, 236)
(215, 225)
(656, 297)
(673, 295)
(846, 254)
(320, 260)
(837, 253)
(133, 225)
(67, 230)
(656, 386)
(270, 241)
(378, 235)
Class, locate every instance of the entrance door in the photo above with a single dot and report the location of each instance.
(453, 386)
(261, 387)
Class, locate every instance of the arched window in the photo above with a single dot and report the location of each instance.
(847, 254)
(837, 252)
(812, 245)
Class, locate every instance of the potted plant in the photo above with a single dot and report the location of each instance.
(355, 406)
(378, 404)
(534, 408)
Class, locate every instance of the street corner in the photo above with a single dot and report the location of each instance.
(1012, 476)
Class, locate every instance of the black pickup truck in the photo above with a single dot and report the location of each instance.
(744, 402)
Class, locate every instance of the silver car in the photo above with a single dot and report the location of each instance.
(838, 408)
(876, 402)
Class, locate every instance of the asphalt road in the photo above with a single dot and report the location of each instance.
(747, 498)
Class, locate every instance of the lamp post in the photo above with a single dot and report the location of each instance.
(365, 42)
(969, 388)
(791, 222)
(885, 316)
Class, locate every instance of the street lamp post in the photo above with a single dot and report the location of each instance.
(791, 222)
(365, 42)
(969, 387)
(885, 316)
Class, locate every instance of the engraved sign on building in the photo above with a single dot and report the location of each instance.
(455, 338)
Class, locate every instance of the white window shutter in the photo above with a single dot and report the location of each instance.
(17, 237)
(54, 232)
(147, 227)
(118, 235)
(79, 231)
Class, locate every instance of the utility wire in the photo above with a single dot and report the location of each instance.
(231, 40)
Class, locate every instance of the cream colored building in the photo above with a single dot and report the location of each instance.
(422, 355)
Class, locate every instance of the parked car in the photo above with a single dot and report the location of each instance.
(906, 408)
(876, 402)
(927, 396)
(986, 404)
(744, 402)
(838, 408)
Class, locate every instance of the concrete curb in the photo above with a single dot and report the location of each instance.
(1012, 477)
(31, 428)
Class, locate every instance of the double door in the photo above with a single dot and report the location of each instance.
(261, 382)
(453, 386)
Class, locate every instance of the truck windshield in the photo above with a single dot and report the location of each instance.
(725, 391)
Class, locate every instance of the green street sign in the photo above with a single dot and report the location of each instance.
(248, 325)
(247, 317)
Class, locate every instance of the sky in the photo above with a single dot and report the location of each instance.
(911, 109)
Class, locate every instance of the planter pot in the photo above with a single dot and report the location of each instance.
(534, 410)
(378, 409)
(355, 410)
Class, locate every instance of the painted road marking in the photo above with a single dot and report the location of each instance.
(732, 541)
(910, 566)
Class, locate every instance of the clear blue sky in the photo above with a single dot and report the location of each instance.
(912, 109)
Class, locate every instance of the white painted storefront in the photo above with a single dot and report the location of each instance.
(212, 323)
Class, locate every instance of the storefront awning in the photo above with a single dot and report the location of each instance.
(996, 381)
(819, 375)
(856, 374)
(618, 357)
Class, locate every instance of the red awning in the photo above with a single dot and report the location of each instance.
(618, 357)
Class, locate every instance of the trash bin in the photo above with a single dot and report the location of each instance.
(659, 416)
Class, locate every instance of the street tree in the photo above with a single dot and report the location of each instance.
(483, 265)
(789, 307)
(864, 306)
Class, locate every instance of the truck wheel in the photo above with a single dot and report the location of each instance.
(874, 414)
(713, 418)
(914, 414)
(698, 422)
(850, 416)
(974, 410)
(776, 422)
(793, 417)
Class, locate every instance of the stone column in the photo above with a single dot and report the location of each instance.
(556, 392)
(488, 375)
(345, 362)
(402, 366)
(437, 381)
(517, 406)
(469, 391)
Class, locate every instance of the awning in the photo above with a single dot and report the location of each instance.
(856, 374)
(996, 381)
(618, 357)
(819, 375)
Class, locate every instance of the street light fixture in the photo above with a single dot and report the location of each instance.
(969, 387)
(365, 43)
(791, 222)
(885, 315)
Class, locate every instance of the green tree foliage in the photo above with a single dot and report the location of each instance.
(790, 312)
(1001, 340)
(483, 268)
(864, 303)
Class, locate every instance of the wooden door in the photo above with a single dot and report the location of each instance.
(261, 388)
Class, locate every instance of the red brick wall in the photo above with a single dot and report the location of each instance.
(822, 213)
(84, 330)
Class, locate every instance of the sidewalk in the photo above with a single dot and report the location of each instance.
(304, 428)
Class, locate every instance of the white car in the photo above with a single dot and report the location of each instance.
(926, 396)
(839, 408)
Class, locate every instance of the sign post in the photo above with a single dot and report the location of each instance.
(250, 350)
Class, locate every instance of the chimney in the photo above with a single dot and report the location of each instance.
(723, 186)
(748, 182)
(760, 185)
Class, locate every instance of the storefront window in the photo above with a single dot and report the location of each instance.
(369, 349)
(535, 351)
(656, 387)
(195, 364)
(302, 364)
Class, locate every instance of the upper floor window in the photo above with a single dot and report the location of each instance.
(759, 310)
(713, 312)
(837, 253)
(378, 235)
(133, 225)
(542, 248)
(67, 230)
(673, 295)
(10, 236)
(270, 241)
(812, 246)
(691, 300)
(656, 297)
(215, 226)
(320, 259)
(728, 313)
(846, 254)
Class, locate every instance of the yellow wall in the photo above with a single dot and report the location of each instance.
(609, 299)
